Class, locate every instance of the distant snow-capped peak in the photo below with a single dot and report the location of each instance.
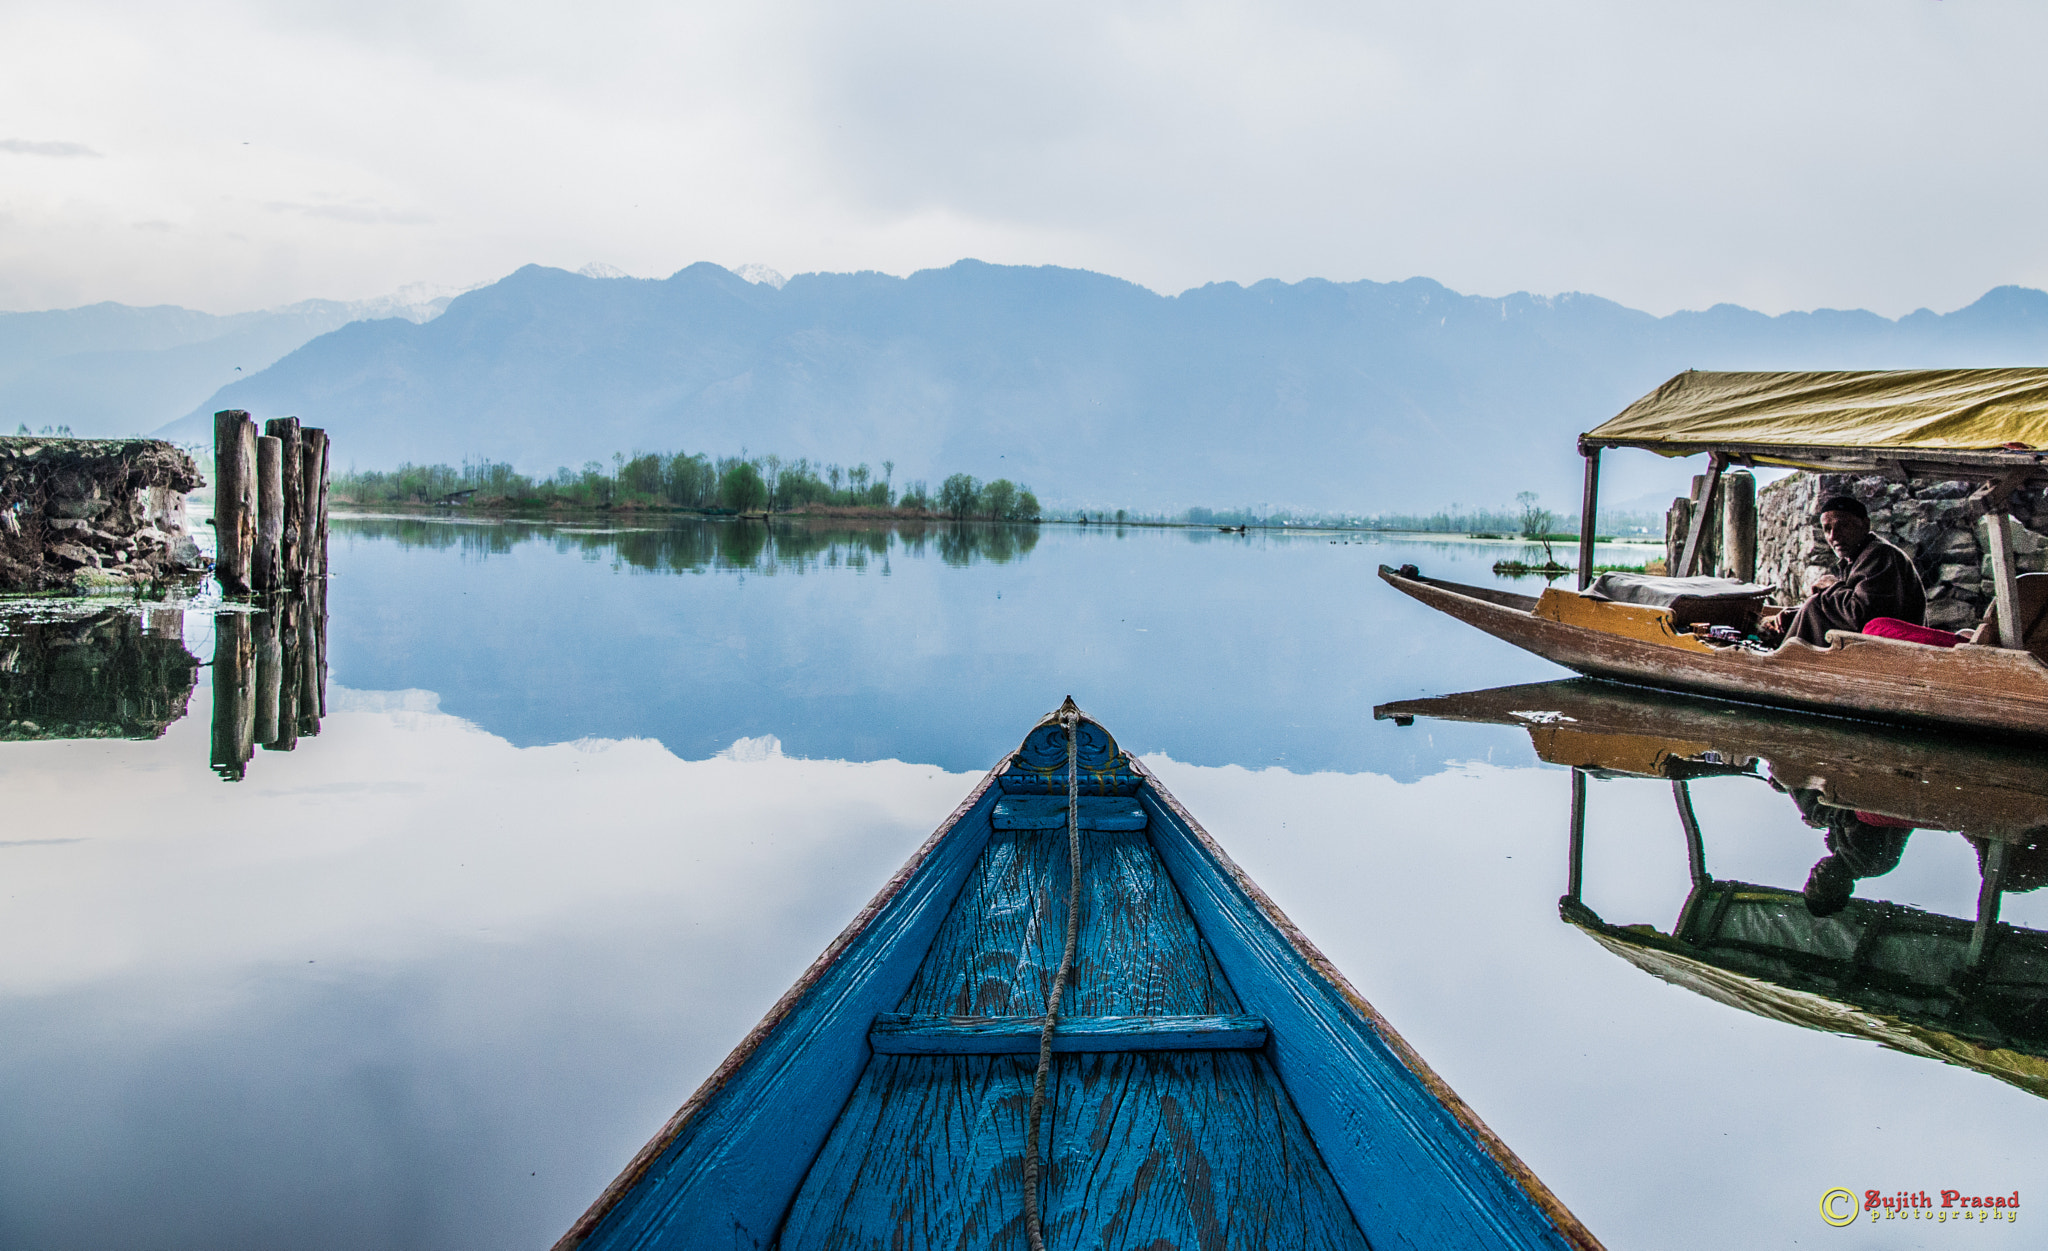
(761, 274)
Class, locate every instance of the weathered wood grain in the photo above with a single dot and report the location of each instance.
(266, 568)
(1049, 812)
(1138, 954)
(905, 1034)
(1418, 1167)
(234, 499)
(1196, 1150)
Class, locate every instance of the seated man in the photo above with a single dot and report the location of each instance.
(1874, 580)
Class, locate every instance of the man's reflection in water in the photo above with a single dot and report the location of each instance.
(1860, 845)
(1869, 844)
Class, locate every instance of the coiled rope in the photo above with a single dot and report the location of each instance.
(1032, 1225)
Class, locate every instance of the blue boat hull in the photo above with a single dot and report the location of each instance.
(1216, 1082)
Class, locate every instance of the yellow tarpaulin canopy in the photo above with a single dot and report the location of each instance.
(1984, 420)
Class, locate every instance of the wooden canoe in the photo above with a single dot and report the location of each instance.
(1216, 1083)
(1987, 689)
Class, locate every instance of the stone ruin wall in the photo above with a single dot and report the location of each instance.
(93, 514)
(1925, 519)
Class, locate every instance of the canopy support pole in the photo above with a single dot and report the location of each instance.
(1576, 876)
(1589, 511)
(1702, 509)
(2012, 632)
(1987, 901)
(1695, 849)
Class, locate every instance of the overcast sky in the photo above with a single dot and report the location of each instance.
(230, 154)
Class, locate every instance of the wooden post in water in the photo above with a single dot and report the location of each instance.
(269, 660)
(234, 695)
(313, 481)
(266, 570)
(1738, 525)
(234, 499)
(291, 456)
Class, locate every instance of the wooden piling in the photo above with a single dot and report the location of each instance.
(1738, 525)
(313, 481)
(234, 499)
(291, 457)
(1677, 524)
(266, 569)
(234, 695)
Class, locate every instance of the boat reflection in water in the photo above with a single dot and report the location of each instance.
(71, 670)
(1968, 991)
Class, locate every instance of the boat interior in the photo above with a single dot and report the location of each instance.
(1213, 1082)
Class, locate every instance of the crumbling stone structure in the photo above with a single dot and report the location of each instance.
(1929, 520)
(93, 514)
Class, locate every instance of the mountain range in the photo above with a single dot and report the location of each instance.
(112, 369)
(1357, 396)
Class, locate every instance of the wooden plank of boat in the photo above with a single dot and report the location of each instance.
(1220, 1083)
(1990, 689)
(1939, 781)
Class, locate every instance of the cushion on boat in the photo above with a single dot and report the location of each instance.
(1715, 601)
(1906, 631)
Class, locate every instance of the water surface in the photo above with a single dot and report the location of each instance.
(580, 803)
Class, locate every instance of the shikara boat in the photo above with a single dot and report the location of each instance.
(1984, 425)
(1210, 1079)
(1966, 991)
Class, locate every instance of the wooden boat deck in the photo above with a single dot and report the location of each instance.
(1196, 1148)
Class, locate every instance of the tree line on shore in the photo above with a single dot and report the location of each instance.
(737, 484)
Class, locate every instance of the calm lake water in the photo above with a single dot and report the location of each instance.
(582, 803)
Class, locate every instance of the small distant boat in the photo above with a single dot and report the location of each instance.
(1212, 1080)
(1988, 426)
(1231, 529)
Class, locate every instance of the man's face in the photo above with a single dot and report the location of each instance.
(1845, 532)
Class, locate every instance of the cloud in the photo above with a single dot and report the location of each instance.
(39, 147)
(354, 214)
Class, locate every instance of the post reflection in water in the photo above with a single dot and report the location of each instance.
(70, 670)
(269, 677)
(1969, 991)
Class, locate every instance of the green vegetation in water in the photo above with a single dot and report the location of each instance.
(692, 546)
(689, 482)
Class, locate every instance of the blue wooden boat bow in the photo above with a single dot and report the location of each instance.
(1216, 1082)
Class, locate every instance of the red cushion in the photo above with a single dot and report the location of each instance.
(1893, 628)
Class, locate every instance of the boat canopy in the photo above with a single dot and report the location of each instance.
(1950, 423)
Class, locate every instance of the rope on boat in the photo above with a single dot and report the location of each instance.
(1032, 1225)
